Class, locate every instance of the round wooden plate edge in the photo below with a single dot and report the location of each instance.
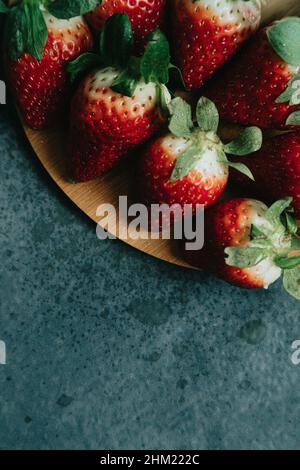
(163, 250)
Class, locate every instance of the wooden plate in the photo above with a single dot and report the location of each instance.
(49, 146)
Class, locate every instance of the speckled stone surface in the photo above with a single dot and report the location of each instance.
(108, 348)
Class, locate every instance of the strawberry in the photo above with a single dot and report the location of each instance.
(117, 107)
(145, 16)
(38, 46)
(276, 170)
(262, 86)
(189, 166)
(207, 33)
(249, 245)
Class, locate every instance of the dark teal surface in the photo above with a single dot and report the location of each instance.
(108, 348)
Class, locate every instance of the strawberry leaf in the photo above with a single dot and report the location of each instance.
(292, 93)
(293, 119)
(127, 81)
(276, 227)
(249, 141)
(26, 31)
(291, 223)
(176, 81)
(181, 123)
(256, 233)
(116, 41)
(284, 37)
(156, 59)
(186, 162)
(3, 7)
(164, 99)
(37, 30)
(287, 261)
(82, 64)
(207, 115)
(66, 9)
(16, 32)
(242, 168)
(245, 257)
(274, 213)
(295, 245)
(291, 282)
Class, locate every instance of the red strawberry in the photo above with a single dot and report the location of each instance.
(145, 16)
(105, 124)
(40, 88)
(207, 33)
(262, 86)
(249, 245)
(35, 64)
(115, 110)
(189, 165)
(276, 169)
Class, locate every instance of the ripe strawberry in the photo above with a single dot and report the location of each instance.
(262, 86)
(189, 165)
(145, 16)
(106, 124)
(249, 245)
(276, 170)
(117, 107)
(207, 33)
(38, 46)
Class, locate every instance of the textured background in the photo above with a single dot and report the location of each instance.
(108, 348)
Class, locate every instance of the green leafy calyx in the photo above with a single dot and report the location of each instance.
(291, 94)
(293, 119)
(3, 7)
(116, 50)
(284, 37)
(276, 239)
(66, 9)
(26, 29)
(202, 135)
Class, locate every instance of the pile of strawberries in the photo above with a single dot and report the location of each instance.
(121, 64)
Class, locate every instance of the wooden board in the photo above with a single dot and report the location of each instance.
(49, 146)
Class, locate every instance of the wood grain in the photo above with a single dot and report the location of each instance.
(49, 146)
